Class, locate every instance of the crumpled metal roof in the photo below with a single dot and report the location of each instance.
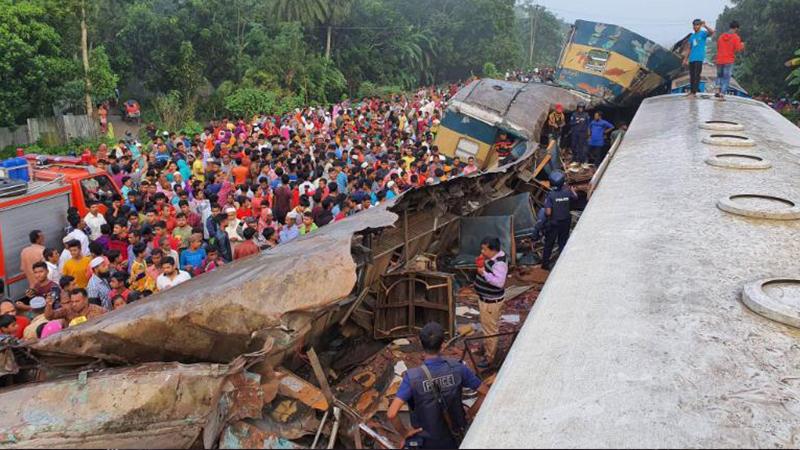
(517, 107)
(221, 315)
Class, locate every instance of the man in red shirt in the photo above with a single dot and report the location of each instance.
(727, 46)
(17, 327)
(248, 246)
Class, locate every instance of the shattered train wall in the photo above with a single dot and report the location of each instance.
(158, 405)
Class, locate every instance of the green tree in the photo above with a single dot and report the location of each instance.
(32, 66)
(794, 75)
(336, 13)
(540, 33)
(246, 102)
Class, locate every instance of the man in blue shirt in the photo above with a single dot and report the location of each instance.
(433, 393)
(598, 130)
(341, 178)
(697, 53)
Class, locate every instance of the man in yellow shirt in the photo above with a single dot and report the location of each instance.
(77, 266)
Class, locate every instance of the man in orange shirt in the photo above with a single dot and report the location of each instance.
(240, 173)
(727, 46)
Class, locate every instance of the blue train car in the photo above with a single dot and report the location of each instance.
(614, 64)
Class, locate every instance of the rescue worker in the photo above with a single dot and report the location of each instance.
(433, 394)
(579, 127)
(556, 122)
(559, 219)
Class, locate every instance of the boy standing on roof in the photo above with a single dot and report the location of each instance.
(697, 53)
(727, 46)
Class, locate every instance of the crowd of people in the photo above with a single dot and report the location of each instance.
(187, 205)
(537, 75)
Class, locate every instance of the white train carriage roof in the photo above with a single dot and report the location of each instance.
(640, 337)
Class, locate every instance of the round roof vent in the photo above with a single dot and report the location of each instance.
(721, 125)
(760, 207)
(775, 298)
(729, 140)
(738, 161)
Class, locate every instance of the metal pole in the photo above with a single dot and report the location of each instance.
(530, 47)
(337, 412)
(533, 32)
(319, 430)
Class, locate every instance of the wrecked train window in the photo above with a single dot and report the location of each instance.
(467, 148)
(596, 60)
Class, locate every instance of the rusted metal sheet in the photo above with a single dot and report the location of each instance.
(245, 435)
(157, 405)
(8, 364)
(292, 386)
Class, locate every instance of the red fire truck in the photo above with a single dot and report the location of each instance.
(55, 183)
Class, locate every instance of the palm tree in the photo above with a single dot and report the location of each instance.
(794, 75)
(338, 10)
(416, 50)
(307, 12)
(316, 12)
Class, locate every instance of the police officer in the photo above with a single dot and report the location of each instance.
(579, 127)
(557, 209)
(433, 394)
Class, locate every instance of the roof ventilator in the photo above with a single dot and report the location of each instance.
(721, 125)
(743, 161)
(729, 140)
(760, 207)
(777, 299)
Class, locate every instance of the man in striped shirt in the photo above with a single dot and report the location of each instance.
(490, 286)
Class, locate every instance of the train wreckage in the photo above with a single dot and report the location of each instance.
(208, 363)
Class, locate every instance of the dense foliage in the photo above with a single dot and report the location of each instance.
(771, 35)
(794, 75)
(212, 57)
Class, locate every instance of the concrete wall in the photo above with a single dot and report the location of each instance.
(50, 130)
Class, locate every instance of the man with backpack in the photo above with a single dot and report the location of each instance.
(433, 394)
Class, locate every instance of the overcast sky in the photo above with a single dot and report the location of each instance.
(664, 21)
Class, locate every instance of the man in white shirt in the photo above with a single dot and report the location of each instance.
(77, 225)
(51, 258)
(94, 220)
(170, 275)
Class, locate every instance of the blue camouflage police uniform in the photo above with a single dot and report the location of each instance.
(579, 127)
(451, 377)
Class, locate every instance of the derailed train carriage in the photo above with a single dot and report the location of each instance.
(486, 109)
(615, 64)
